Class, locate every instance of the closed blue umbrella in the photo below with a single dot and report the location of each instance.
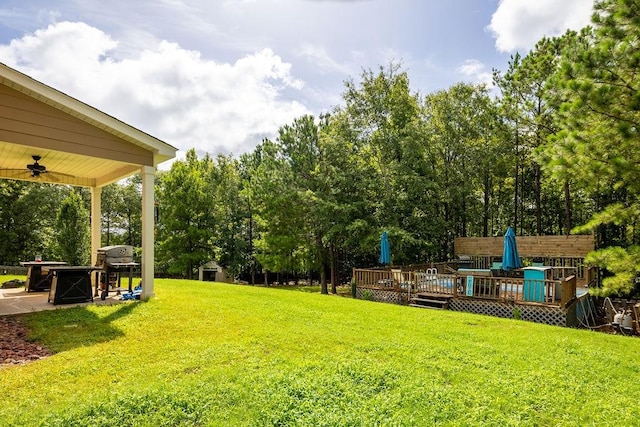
(385, 252)
(510, 258)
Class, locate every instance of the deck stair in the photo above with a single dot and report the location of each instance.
(429, 300)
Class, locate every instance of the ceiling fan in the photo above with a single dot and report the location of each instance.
(36, 169)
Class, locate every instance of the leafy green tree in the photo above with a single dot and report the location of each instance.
(247, 168)
(231, 211)
(121, 210)
(17, 229)
(27, 219)
(354, 184)
(300, 149)
(525, 103)
(466, 152)
(381, 118)
(131, 211)
(42, 202)
(511, 110)
(292, 192)
(346, 231)
(282, 245)
(72, 232)
(111, 207)
(186, 225)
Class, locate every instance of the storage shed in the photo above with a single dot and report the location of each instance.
(212, 272)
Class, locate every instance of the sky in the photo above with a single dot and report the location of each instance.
(221, 75)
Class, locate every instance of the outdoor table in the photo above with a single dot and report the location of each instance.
(38, 275)
(71, 284)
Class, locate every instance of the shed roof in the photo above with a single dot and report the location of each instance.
(211, 265)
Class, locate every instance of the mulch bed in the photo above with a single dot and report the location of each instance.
(14, 346)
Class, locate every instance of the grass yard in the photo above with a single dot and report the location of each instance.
(228, 355)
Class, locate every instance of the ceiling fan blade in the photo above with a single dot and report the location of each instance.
(36, 170)
(16, 172)
(36, 174)
(52, 176)
(59, 174)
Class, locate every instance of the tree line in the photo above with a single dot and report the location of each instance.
(552, 148)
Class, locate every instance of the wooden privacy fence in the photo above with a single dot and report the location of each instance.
(576, 246)
(557, 292)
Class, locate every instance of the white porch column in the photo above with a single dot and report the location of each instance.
(148, 179)
(96, 230)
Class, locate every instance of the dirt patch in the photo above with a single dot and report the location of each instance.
(14, 346)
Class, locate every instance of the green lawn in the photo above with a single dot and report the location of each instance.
(229, 355)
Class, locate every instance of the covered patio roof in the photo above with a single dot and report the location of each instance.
(78, 145)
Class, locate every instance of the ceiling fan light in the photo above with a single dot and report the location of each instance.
(36, 166)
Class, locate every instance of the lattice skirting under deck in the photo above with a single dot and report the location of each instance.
(381, 295)
(533, 313)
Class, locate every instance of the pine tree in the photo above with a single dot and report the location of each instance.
(598, 85)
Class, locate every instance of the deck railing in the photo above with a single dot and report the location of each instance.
(374, 279)
(430, 281)
(562, 266)
(558, 292)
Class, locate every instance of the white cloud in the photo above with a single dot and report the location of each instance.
(470, 67)
(165, 90)
(76, 45)
(476, 71)
(519, 24)
(321, 59)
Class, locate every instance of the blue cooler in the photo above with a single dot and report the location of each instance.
(535, 287)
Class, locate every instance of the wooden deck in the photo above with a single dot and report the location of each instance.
(552, 302)
(559, 292)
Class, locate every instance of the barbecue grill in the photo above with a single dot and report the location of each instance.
(113, 260)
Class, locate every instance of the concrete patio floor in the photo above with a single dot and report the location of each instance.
(19, 301)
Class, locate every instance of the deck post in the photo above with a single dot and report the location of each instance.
(568, 290)
(454, 285)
